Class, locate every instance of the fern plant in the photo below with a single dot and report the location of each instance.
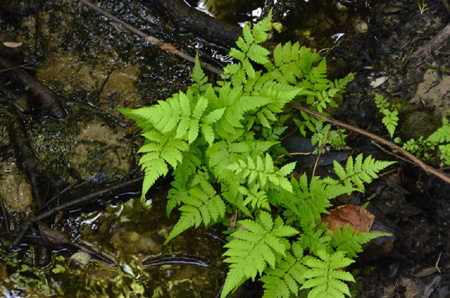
(221, 143)
(390, 113)
(436, 144)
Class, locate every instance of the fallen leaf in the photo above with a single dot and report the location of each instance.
(356, 216)
(52, 236)
(379, 81)
(11, 44)
(169, 47)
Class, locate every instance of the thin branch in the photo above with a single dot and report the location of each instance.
(88, 198)
(434, 43)
(153, 40)
(320, 153)
(418, 162)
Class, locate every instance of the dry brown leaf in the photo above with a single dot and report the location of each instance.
(356, 216)
(11, 44)
(169, 47)
(52, 236)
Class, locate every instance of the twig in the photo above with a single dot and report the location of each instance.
(88, 198)
(154, 41)
(320, 153)
(437, 263)
(391, 153)
(24, 66)
(418, 162)
(434, 43)
(5, 215)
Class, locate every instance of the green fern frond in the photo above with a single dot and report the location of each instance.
(184, 173)
(325, 279)
(255, 197)
(318, 75)
(350, 241)
(390, 114)
(340, 85)
(307, 202)
(442, 134)
(198, 76)
(264, 171)
(253, 247)
(151, 174)
(177, 193)
(286, 59)
(261, 29)
(258, 54)
(160, 146)
(360, 172)
(307, 59)
(286, 277)
(201, 205)
(313, 238)
(445, 154)
(325, 136)
(159, 150)
(390, 121)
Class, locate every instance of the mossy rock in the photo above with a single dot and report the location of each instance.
(416, 124)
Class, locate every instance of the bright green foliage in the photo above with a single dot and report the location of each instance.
(442, 134)
(438, 140)
(424, 148)
(254, 246)
(390, 114)
(200, 204)
(223, 144)
(309, 200)
(324, 277)
(286, 277)
(264, 170)
(360, 171)
(349, 241)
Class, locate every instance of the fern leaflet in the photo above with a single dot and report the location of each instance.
(309, 201)
(286, 277)
(202, 204)
(253, 247)
(324, 277)
(264, 171)
(390, 114)
(359, 172)
(350, 241)
(442, 134)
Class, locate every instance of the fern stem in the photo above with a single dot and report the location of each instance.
(428, 169)
(320, 153)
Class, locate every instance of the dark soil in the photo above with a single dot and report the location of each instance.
(419, 264)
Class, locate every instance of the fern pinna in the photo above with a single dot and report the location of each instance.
(222, 145)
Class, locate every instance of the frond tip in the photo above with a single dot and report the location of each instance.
(360, 171)
(286, 277)
(258, 244)
(325, 279)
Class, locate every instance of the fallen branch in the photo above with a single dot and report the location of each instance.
(187, 18)
(415, 160)
(42, 182)
(92, 197)
(47, 100)
(153, 41)
(434, 43)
